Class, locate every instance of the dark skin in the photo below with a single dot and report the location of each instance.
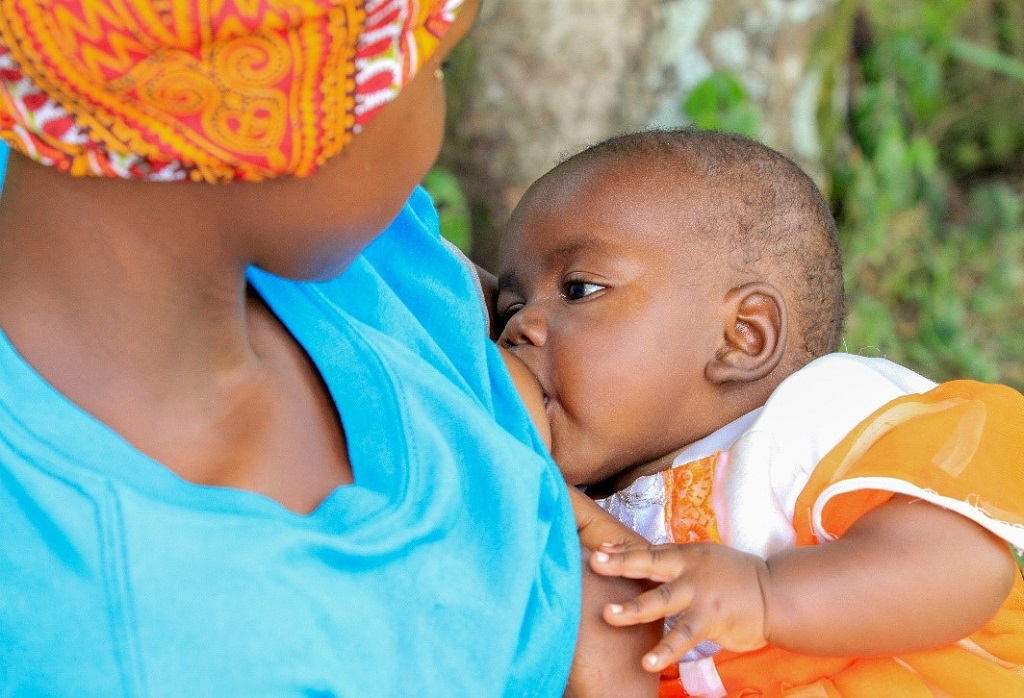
(796, 599)
(130, 298)
(591, 303)
(146, 282)
(606, 656)
(598, 288)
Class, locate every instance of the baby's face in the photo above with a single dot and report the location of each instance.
(606, 299)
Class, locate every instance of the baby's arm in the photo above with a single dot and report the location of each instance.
(906, 576)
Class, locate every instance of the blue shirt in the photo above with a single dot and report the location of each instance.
(450, 567)
(4, 152)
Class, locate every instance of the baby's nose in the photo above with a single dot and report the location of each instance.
(526, 327)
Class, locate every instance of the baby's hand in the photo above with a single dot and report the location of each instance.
(716, 593)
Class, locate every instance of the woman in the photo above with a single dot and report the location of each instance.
(225, 469)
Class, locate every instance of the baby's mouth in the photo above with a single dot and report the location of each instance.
(549, 407)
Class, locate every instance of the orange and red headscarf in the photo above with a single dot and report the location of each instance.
(207, 90)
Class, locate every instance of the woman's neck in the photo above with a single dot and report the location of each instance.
(131, 300)
(111, 287)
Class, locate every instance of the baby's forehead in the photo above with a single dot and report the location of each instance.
(631, 181)
(639, 200)
(599, 226)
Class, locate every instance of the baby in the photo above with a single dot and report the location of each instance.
(833, 523)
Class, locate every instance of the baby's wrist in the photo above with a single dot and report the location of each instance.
(769, 598)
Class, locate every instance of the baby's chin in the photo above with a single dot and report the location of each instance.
(575, 480)
(575, 474)
(586, 476)
(605, 481)
(582, 460)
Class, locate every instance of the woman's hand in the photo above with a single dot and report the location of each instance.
(597, 527)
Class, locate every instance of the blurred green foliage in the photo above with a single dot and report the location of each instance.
(932, 226)
(719, 102)
(452, 207)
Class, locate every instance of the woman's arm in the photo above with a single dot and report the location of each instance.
(489, 286)
(607, 658)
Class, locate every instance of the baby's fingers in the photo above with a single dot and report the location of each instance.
(660, 602)
(680, 639)
(665, 601)
(658, 563)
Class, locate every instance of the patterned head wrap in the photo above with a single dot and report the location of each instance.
(208, 90)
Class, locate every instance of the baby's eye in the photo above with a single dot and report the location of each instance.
(504, 314)
(575, 290)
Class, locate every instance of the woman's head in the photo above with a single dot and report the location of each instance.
(185, 89)
(368, 153)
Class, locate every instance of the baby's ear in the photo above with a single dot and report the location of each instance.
(754, 336)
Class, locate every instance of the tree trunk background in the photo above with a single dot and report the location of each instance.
(540, 79)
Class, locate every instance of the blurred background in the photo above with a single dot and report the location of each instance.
(908, 113)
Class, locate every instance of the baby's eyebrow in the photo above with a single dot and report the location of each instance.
(572, 247)
(508, 282)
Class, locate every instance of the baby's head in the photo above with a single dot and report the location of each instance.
(661, 285)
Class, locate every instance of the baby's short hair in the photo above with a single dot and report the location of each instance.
(777, 213)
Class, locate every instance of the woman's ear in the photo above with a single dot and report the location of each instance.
(754, 337)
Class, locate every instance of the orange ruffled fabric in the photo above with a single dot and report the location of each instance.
(211, 90)
(962, 440)
(689, 507)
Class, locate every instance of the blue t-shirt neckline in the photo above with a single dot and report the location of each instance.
(49, 416)
(457, 534)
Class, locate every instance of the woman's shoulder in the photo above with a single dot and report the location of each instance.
(412, 280)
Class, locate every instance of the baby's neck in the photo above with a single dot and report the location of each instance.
(627, 477)
(718, 440)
